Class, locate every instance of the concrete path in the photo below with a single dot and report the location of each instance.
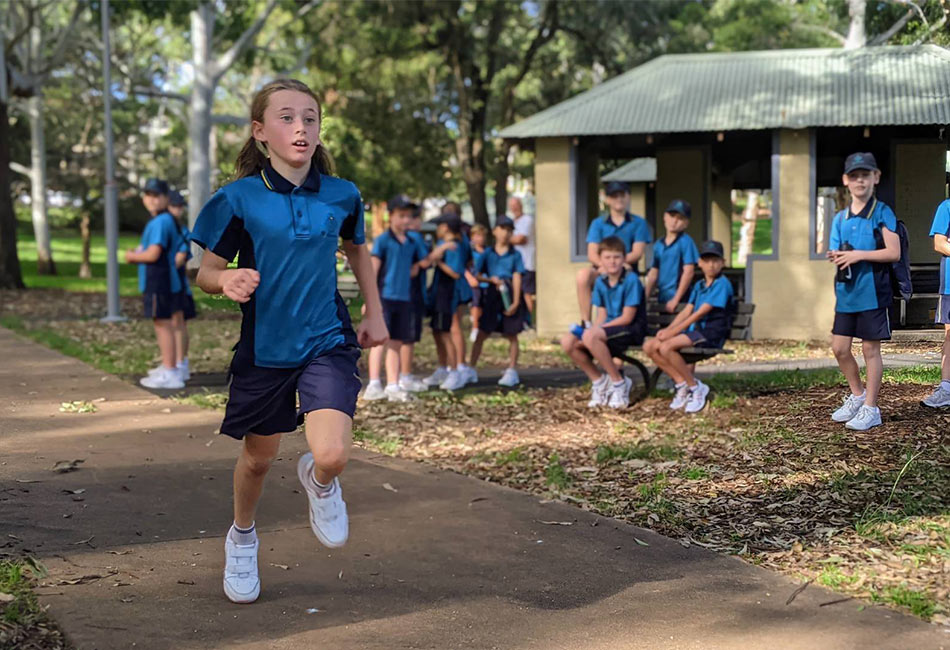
(133, 542)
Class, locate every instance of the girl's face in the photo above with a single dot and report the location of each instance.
(618, 201)
(478, 239)
(177, 210)
(291, 127)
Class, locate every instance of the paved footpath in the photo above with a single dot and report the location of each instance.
(133, 541)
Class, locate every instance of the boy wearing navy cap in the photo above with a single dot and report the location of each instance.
(862, 245)
(616, 222)
(394, 254)
(621, 322)
(674, 258)
(159, 281)
(940, 231)
(704, 322)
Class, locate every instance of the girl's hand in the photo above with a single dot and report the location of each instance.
(844, 259)
(372, 332)
(670, 306)
(239, 284)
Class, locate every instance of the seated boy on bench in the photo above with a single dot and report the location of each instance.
(705, 322)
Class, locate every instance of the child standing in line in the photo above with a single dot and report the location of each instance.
(940, 231)
(621, 322)
(862, 245)
(674, 259)
(284, 217)
(705, 322)
(177, 205)
(479, 240)
(408, 381)
(394, 255)
(502, 307)
(159, 282)
(449, 261)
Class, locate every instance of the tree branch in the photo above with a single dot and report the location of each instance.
(67, 33)
(914, 7)
(227, 59)
(151, 92)
(933, 28)
(827, 31)
(233, 120)
(20, 169)
(896, 27)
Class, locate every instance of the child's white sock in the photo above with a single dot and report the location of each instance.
(587, 324)
(243, 536)
(863, 395)
(462, 366)
(618, 384)
(404, 375)
(600, 382)
(183, 363)
(320, 487)
(680, 385)
(945, 384)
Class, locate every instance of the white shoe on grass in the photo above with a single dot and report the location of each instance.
(599, 393)
(510, 378)
(437, 377)
(680, 397)
(620, 394)
(374, 391)
(165, 378)
(412, 384)
(469, 375)
(328, 518)
(396, 394)
(940, 398)
(184, 369)
(453, 381)
(852, 404)
(242, 584)
(697, 398)
(866, 417)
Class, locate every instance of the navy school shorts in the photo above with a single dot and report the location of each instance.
(529, 283)
(161, 305)
(707, 338)
(264, 400)
(621, 337)
(399, 316)
(493, 317)
(478, 294)
(418, 319)
(188, 306)
(943, 310)
(442, 321)
(870, 325)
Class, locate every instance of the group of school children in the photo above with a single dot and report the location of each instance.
(166, 294)
(465, 271)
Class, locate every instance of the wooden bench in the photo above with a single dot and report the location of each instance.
(348, 288)
(657, 319)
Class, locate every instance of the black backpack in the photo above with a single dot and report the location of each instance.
(899, 270)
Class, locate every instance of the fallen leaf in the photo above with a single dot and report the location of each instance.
(640, 541)
(83, 541)
(186, 582)
(6, 598)
(556, 523)
(63, 466)
(314, 610)
(281, 566)
(119, 552)
(387, 486)
(79, 491)
(797, 591)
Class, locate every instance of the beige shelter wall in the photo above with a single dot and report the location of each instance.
(793, 295)
(682, 174)
(720, 227)
(920, 186)
(557, 300)
(638, 199)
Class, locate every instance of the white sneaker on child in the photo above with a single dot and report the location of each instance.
(940, 398)
(412, 384)
(619, 394)
(697, 398)
(394, 393)
(681, 397)
(374, 391)
(510, 378)
(437, 377)
(166, 378)
(242, 584)
(453, 381)
(852, 404)
(866, 417)
(184, 369)
(469, 375)
(599, 392)
(328, 518)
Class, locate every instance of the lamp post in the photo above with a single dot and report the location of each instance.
(113, 315)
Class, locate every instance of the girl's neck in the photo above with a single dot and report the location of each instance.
(295, 175)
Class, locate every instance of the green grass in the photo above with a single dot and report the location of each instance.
(514, 456)
(640, 450)
(16, 578)
(728, 386)
(918, 603)
(761, 243)
(207, 399)
(695, 473)
(388, 445)
(833, 578)
(555, 474)
(518, 398)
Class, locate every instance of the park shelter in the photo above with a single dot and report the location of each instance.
(640, 173)
(782, 121)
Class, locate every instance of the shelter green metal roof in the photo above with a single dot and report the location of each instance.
(888, 85)
(638, 170)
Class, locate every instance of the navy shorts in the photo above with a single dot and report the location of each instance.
(161, 305)
(528, 283)
(621, 337)
(493, 317)
(188, 306)
(870, 325)
(264, 400)
(399, 316)
(418, 320)
(442, 321)
(943, 310)
(707, 338)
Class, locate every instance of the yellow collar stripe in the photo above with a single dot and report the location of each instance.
(266, 182)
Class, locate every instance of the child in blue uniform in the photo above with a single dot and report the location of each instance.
(408, 381)
(177, 205)
(284, 217)
(705, 321)
(621, 322)
(449, 259)
(159, 282)
(862, 245)
(674, 259)
(502, 305)
(940, 231)
(479, 235)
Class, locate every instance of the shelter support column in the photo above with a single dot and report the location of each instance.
(720, 224)
(920, 182)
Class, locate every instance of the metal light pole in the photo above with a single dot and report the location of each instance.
(112, 204)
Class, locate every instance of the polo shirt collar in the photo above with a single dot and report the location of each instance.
(627, 217)
(277, 183)
(865, 211)
(623, 276)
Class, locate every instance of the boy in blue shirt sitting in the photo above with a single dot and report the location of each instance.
(862, 245)
(621, 322)
(940, 231)
(674, 259)
(705, 321)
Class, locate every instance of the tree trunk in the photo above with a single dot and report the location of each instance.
(85, 268)
(10, 275)
(747, 232)
(377, 210)
(199, 117)
(44, 252)
(857, 34)
(501, 178)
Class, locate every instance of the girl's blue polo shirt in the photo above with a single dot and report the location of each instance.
(290, 235)
(631, 230)
(418, 287)
(397, 259)
(670, 259)
(501, 266)
(161, 276)
(870, 284)
(477, 263)
(718, 294)
(941, 226)
(628, 292)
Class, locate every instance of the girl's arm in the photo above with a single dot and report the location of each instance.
(625, 318)
(942, 244)
(515, 294)
(372, 330)
(214, 276)
(149, 256)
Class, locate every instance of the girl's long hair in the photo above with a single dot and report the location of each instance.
(254, 155)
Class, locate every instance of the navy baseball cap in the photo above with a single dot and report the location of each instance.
(175, 198)
(402, 201)
(451, 220)
(679, 206)
(712, 247)
(156, 186)
(860, 160)
(614, 187)
(504, 222)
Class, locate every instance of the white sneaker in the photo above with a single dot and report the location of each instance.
(680, 397)
(510, 378)
(154, 371)
(328, 518)
(412, 384)
(469, 375)
(473, 336)
(396, 394)
(697, 398)
(852, 404)
(619, 396)
(242, 584)
(939, 399)
(453, 381)
(167, 378)
(184, 369)
(599, 393)
(374, 391)
(867, 417)
(437, 377)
